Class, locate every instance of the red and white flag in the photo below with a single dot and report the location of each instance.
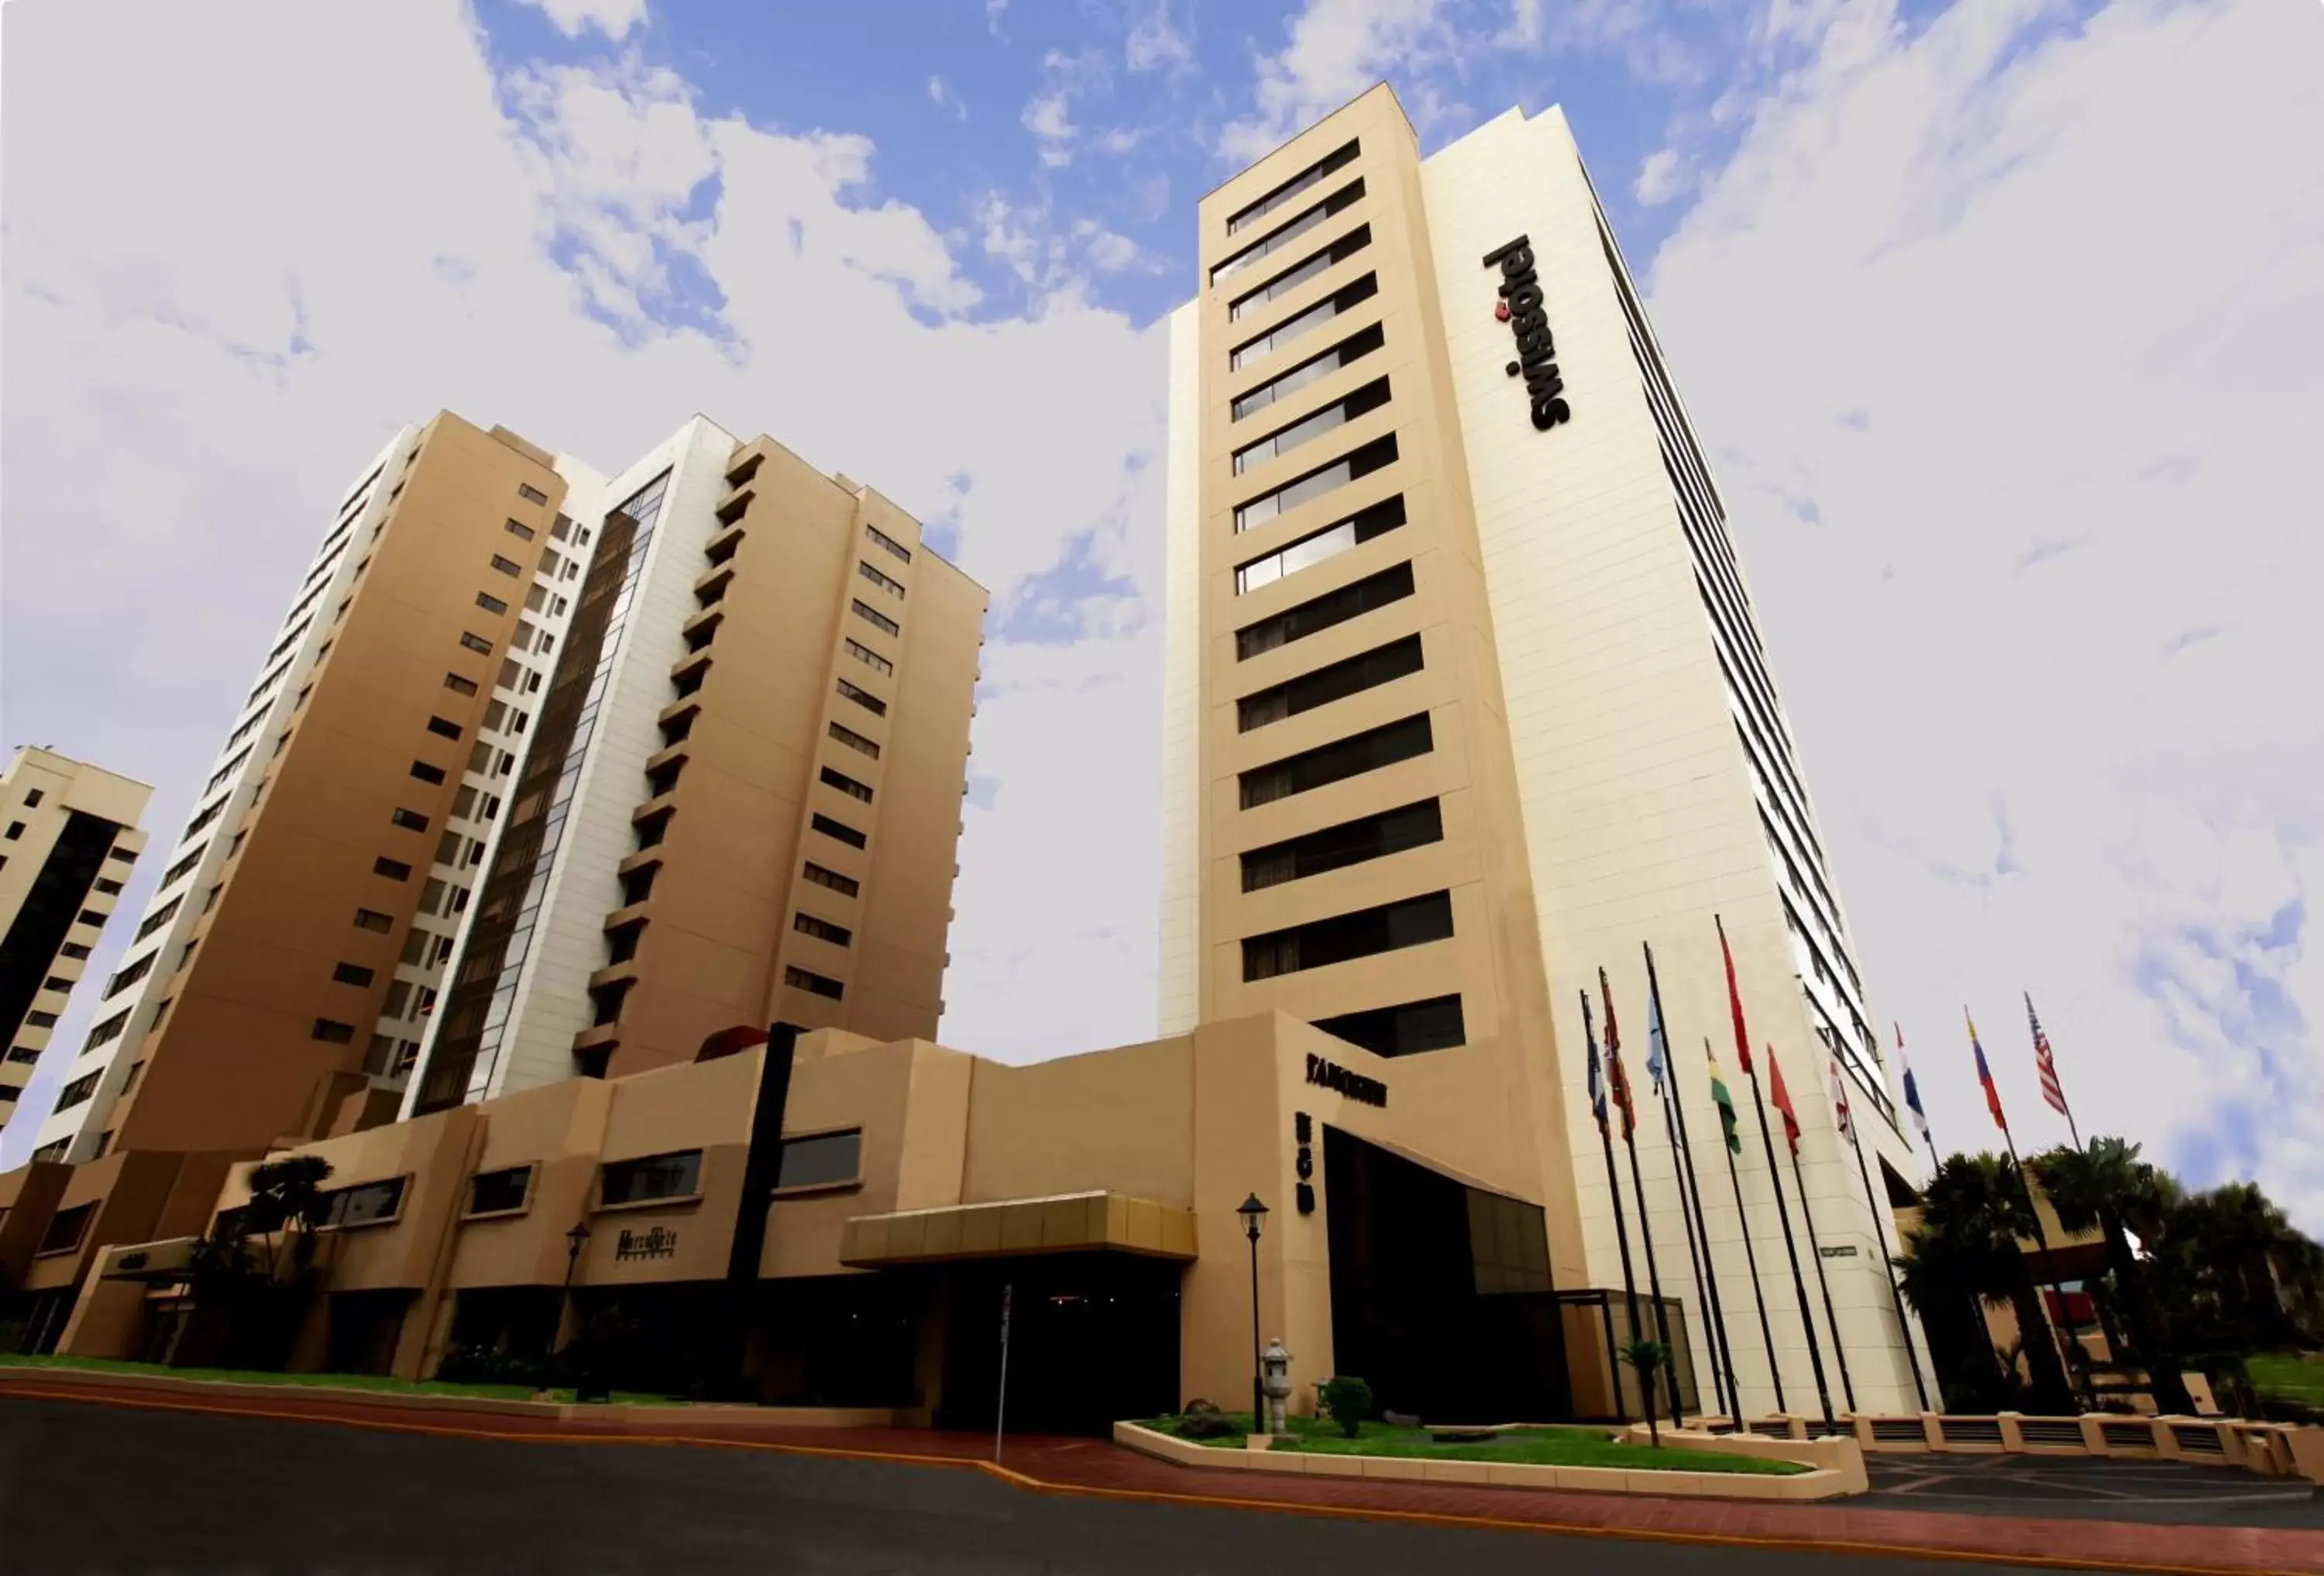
(2052, 1089)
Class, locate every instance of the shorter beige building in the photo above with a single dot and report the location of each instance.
(68, 838)
(842, 1221)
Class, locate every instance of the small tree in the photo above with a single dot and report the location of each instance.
(1349, 1401)
(287, 1193)
(1648, 1358)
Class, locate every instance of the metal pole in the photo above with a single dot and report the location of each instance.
(2058, 1337)
(1706, 1285)
(1001, 1402)
(1258, 1388)
(1654, 1277)
(1823, 1284)
(1694, 1252)
(1791, 1249)
(1880, 1241)
(1751, 1259)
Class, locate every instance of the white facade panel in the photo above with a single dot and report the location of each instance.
(1181, 684)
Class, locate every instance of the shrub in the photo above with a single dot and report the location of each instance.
(1349, 1401)
(1203, 1420)
(481, 1365)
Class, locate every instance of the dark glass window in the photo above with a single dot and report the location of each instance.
(1367, 670)
(1343, 937)
(1343, 758)
(1349, 843)
(822, 929)
(363, 1203)
(839, 829)
(67, 1227)
(1303, 489)
(814, 983)
(825, 1157)
(1401, 1030)
(1337, 159)
(1335, 607)
(1315, 368)
(652, 1176)
(496, 1192)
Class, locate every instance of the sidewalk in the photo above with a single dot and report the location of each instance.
(1099, 1468)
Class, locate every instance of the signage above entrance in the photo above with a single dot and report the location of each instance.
(659, 1242)
(1520, 307)
(1354, 1085)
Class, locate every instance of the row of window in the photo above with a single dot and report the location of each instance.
(1361, 402)
(1346, 299)
(1311, 267)
(1283, 236)
(1305, 488)
(1315, 368)
(1338, 159)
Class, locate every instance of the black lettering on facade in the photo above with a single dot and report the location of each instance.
(1520, 307)
(1355, 1086)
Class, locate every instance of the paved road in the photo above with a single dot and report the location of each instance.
(96, 1489)
(2109, 1490)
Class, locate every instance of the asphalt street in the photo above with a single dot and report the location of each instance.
(2167, 1492)
(92, 1489)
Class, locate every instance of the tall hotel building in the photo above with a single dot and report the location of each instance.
(1466, 700)
(68, 838)
(548, 775)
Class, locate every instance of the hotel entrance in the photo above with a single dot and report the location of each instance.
(1092, 1338)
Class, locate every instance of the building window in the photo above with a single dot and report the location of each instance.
(870, 657)
(876, 619)
(1332, 848)
(531, 495)
(864, 698)
(1329, 764)
(129, 976)
(505, 566)
(1361, 462)
(410, 820)
(1307, 429)
(649, 1177)
(40, 1020)
(821, 1160)
(1289, 232)
(373, 919)
(1313, 266)
(394, 869)
(459, 686)
(66, 1226)
(158, 918)
(1337, 159)
(32, 796)
(490, 603)
(78, 1091)
(476, 643)
(846, 785)
(1367, 670)
(331, 1031)
(1313, 617)
(444, 727)
(889, 545)
(105, 1033)
(366, 1204)
(840, 829)
(855, 741)
(822, 929)
(846, 886)
(1346, 299)
(1314, 369)
(500, 1192)
(427, 773)
(1343, 937)
(813, 984)
(351, 974)
(1402, 1030)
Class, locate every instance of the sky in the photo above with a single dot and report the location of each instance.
(2003, 321)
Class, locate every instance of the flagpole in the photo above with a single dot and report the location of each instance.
(1619, 1080)
(1722, 1352)
(1614, 1187)
(2032, 1207)
(1888, 1265)
(1751, 1261)
(1791, 1247)
(1823, 1282)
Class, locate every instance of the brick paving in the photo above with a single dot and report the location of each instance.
(1101, 1469)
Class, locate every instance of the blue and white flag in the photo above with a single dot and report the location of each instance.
(1657, 1047)
(1912, 1089)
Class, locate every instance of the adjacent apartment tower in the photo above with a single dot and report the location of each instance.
(1466, 700)
(67, 839)
(446, 850)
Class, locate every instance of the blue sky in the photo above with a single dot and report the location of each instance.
(2003, 321)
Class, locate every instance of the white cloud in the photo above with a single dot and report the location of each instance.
(194, 365)
(1661, 176)
(1048, 117)
(614, 18)
(1336, 50)
(1154, 44)
(940, 93)
(2007, 336)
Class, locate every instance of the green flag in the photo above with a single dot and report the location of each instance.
(1725, 1102)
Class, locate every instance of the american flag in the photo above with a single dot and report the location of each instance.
(2052, 1089)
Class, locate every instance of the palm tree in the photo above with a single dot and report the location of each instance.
(1648, 1358)
(2106, 1185)
(1934, 1276)
(286, 1192)
(1978, 1208)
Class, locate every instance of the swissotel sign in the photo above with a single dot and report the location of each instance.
(1521, 309)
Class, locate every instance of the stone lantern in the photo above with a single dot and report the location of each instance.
(1276, 1382)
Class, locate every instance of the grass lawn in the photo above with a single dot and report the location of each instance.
(1546, 1445)
(106, 1365)
(2290, 1376)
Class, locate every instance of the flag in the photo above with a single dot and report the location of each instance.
(1596, 1074)
(1783, 1100)
(1984, 1076)
(1724, 1101)
(1657, 1043)
(1912, 1091)
(1735, 1005)
(1614, 1075)
(1840, 1111)
(2052, 1089)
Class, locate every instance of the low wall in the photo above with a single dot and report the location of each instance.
(1816, 1483)
(2281, 1449)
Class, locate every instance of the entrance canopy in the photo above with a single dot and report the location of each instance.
(1070, 1223)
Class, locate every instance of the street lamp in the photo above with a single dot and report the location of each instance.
(574, 1240)
(1252, 1213)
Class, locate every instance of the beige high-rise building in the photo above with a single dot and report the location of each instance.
(448, 834)
(68, 838)
(1466, 700)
